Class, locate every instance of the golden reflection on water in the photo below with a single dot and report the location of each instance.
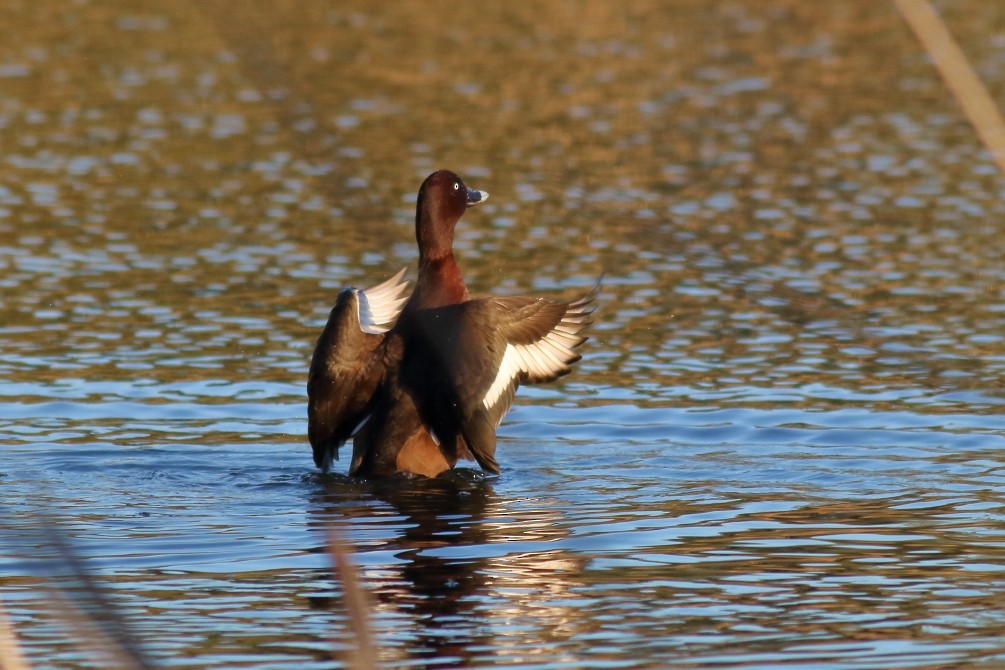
(769, 199)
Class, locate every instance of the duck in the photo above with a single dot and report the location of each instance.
(421, 381)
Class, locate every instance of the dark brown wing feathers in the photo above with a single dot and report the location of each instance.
(344, 374)
(348, 364)
(460, 353)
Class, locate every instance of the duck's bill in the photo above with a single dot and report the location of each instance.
(476, 197)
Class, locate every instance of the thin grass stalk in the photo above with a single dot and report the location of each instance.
(952, 64)
(363, 653)
(91, 615)
(11, 657)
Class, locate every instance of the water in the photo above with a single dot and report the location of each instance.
(783, 444)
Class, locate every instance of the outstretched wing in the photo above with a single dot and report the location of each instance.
(346, 366)
(541, 338)
(484, 349)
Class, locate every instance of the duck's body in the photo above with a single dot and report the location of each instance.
(434, 388)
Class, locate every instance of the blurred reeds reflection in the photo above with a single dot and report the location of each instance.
(84, 608)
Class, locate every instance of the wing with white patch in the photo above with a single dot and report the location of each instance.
(379, 305)
(347, 364)
(466, 361)
(540, 340)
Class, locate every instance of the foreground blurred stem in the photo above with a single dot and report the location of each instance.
(10, 649)
(363, 653)
(978, 106)
(87, 609)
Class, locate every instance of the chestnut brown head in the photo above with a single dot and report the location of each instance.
(443, 197)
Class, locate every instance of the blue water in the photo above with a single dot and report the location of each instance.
(721, 534)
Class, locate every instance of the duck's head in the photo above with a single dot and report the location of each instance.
(443, 197)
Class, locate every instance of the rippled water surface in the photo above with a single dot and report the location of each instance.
(784, 444)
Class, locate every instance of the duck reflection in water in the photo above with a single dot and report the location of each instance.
(419, 383)
(456, 545)
(438, 592)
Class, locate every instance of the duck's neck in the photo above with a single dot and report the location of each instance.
(440, 283)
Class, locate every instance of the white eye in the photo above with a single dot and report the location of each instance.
(457, 186)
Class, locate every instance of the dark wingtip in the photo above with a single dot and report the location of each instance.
(324, 456)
